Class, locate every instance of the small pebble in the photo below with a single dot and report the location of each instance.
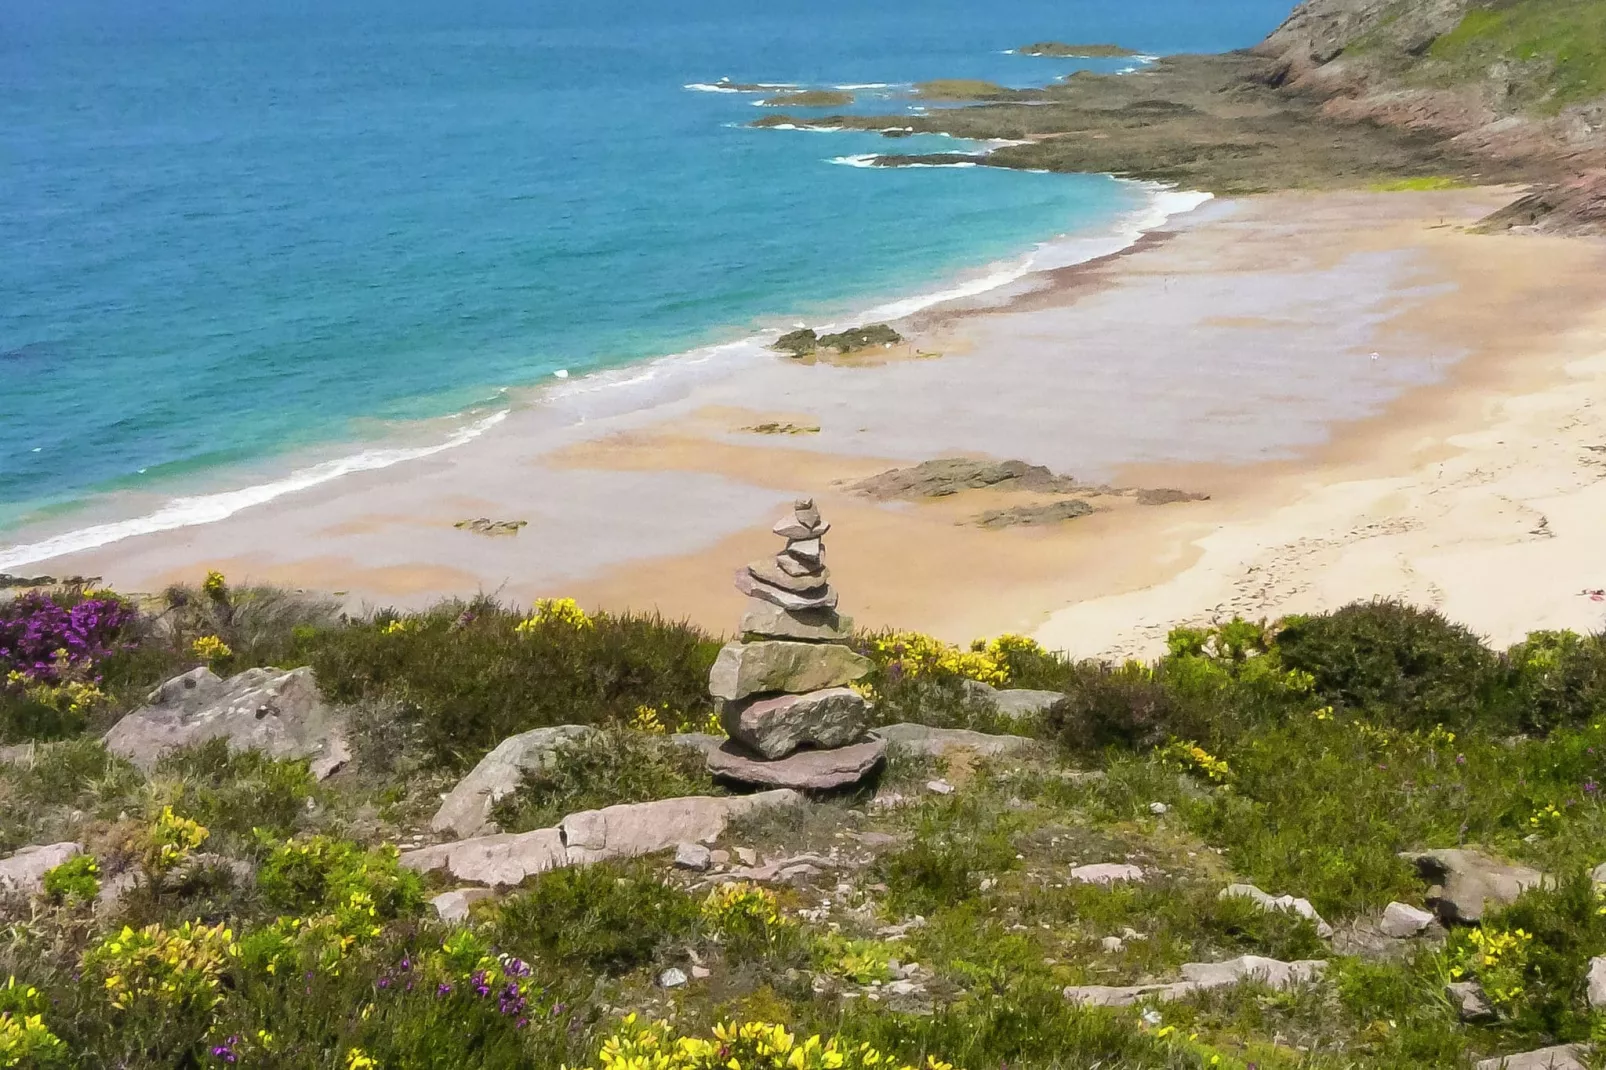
(940, 787)
(672, 978)
(1158, 808)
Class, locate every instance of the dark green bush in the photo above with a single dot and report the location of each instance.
(1556, 679)
(1130, 708)
(1400, 665)
(24, 719)
(320, 873)
(470, 678)
(600, 917)
(238, 791)
(617, 765)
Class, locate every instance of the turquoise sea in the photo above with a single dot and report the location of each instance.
(238, 231)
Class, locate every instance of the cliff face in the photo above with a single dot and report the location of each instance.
(1519, 80)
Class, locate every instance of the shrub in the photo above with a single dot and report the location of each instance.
(749, 1045)
(1556, 679)
(25, 1040)
(747, 919)
(472, 674)
(1130, 707)
(613, 766)
(238, 791)
(601, 917)
(76, 880)
(1403, 666)
(322, 874)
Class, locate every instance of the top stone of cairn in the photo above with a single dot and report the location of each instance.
(804, 523)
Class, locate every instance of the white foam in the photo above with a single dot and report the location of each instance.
(726, 86)
(863, 159)
(866, 85)
(807, 128)
(207, 508)
(709, 87)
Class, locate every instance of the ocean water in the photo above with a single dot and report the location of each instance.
(234, 232)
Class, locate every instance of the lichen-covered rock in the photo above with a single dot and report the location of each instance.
(806, 770)
(775, 726)
(466, 811)
(278, 713)
(744, 669)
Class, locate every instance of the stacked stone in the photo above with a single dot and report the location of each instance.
(782, 689)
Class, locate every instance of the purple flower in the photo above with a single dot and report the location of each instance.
(443, 989)
(1590, 787)
(39, 637)
(1460, 759)
(225, 1052)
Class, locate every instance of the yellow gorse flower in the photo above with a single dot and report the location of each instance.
(210, 648)
(638, 1045)
(163, 969)
(555, 611)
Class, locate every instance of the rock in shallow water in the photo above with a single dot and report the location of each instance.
(806, 770)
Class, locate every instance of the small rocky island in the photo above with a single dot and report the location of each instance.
(804, 342)
(783, 688)
(809, 98)
(1061, 50)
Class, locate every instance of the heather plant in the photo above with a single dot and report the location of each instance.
(472, 674)
(42, 636)
(616, 765)
(605, 918)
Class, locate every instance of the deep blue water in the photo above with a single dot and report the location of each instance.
(232, 228)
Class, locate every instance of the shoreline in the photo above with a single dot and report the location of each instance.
(1241, 334)
(43, 541)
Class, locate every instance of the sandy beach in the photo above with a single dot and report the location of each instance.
(1375, 401)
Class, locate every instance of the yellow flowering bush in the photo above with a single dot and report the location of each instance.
(913, 655)
(170, 840)
(75, 880)
(1193, 758)
(25, 1040)
(562, 611)
(399, 626)
(1497, 959)
(744, 913)
(1547, 820)
(210, 648)
(215, 585)
(69, 695)
(158, 970)
(638, 1045)
(647, 719)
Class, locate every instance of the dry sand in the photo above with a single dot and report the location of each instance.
(1377, 402)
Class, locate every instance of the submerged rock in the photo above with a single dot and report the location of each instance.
(278, 713)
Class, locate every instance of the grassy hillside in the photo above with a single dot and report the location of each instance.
(1550, 53)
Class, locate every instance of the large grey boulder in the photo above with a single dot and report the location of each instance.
(776, 725)
(466, 811)
(1017, 703)
(1107, 873)
(805, 770)
(744, 669)
(769, 621)
(275, 712)
(24, 872)
(937, 742)
(1560, 1057)
(1466, 882)
(1265, 901)
(591, 836)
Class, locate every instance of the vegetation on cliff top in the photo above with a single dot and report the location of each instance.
(1070, 51)
(1547, 53)
(259, 917)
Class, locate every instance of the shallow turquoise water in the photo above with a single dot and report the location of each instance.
(233, 230)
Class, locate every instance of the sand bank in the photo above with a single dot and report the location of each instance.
(1376, 401)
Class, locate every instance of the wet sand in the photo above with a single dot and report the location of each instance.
(1377, 403)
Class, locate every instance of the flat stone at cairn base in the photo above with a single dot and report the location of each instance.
(770, 621)
(807, 770)
(744, 669)
(777, 725)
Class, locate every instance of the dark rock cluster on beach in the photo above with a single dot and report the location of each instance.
(783, 687)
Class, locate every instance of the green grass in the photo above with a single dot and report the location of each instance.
(1423, 184)
(1560, 46)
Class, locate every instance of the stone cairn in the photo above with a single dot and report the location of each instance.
(782, 688)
